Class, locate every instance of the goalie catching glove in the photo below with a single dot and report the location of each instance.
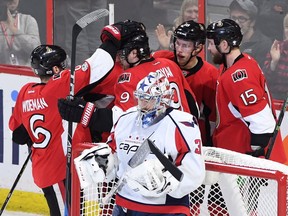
(95, 165)
(151, 180)
(121, 31)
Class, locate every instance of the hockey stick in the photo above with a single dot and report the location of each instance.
(175, 171)
(142, 152)
(15, 183)
(254, 185)
(77, 28)
(277, 128)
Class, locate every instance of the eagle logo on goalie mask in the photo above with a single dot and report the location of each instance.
(154, 95)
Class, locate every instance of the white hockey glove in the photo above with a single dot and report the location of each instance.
(95, 165)
(151, 180)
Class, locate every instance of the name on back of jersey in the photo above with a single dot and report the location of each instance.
(34, 104)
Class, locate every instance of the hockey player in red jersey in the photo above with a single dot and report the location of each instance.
(245, 116)
(35, 116)
(189, 40)
(136, 61)
(149, 189)
(245, 120)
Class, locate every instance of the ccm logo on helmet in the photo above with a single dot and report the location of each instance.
(113, 29)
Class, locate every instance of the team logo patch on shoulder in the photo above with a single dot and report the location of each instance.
(124, 77)
(239, 75)
(84, 66)
(188, 124)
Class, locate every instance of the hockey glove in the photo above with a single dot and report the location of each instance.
(258, 144)
(95, 165)
(121, 31)
(76, 110)
(151, 180)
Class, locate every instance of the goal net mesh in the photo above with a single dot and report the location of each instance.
(235, 185)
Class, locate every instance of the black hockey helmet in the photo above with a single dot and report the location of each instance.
(45, 57)
(139, 41)
(225, 29)
(190, 30)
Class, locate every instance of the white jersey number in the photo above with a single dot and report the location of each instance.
(248, 97)
(39, 133)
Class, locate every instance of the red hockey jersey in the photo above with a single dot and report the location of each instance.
(202, 79)
(128, 80)
(36, 109)
(243, 104)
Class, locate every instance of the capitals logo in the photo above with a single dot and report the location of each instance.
(239, 75)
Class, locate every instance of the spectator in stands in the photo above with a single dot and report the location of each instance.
(188, 11)
(254, 42)
(276, 65)
(270, 17)
(19, 34)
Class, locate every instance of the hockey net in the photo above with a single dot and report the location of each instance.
(235, 185)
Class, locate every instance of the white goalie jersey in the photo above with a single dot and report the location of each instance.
(177, 136)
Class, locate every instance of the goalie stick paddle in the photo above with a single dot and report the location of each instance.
(277, 128)
(15, 183)
(77, 28)
(168, 165)
(142, 152)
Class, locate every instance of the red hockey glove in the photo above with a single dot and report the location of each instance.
(112, 33)
(121, 31)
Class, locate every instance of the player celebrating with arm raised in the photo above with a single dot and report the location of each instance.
(34, 118)
(134, 56)
(150, 189)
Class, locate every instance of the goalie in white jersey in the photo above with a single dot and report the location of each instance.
(149, 188)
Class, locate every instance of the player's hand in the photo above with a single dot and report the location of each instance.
(11, 22)
(121, 31)
(76, 110)
(163, 37)
(257, 153)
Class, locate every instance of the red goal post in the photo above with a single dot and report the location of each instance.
(235, 185)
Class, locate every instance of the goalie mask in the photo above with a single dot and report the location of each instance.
(154, 95)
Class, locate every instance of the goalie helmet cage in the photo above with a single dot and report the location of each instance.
(235, 185)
